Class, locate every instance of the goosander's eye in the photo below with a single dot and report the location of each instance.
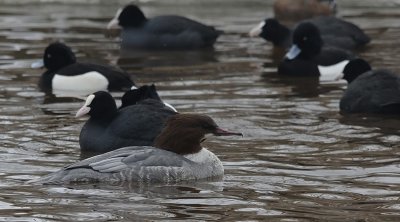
(209, 127)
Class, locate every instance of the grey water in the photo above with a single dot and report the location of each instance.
(299, 159)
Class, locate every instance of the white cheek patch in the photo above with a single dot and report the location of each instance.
(332, 72)
(256, 31)
(91, 82)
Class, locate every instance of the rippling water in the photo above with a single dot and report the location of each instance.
(299, 160)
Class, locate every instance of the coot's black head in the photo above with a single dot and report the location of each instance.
(271, 30)
(134, 96)
(131, 16)
(308, 39)
(355, 68)
(274, 31)
(270, 26)
(58, 55)
(98, 105)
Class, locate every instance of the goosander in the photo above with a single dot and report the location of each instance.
(177, 155)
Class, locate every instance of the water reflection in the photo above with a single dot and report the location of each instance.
(387, 123)
(137, 59)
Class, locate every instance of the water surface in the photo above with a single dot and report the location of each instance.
(300, 160)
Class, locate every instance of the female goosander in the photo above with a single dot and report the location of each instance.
(308, 57)
(109, 128)
(334, 32)
(177, 155)
(370, 91)
(64, 73)
(161, 32)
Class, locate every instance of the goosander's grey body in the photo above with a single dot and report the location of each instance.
(176, 156)
(141, 164)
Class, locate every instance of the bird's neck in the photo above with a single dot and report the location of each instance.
(281, 37)
(180, 141)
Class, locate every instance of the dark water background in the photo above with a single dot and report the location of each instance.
(300, 160)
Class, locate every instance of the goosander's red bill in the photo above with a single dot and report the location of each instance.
(222, 132)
